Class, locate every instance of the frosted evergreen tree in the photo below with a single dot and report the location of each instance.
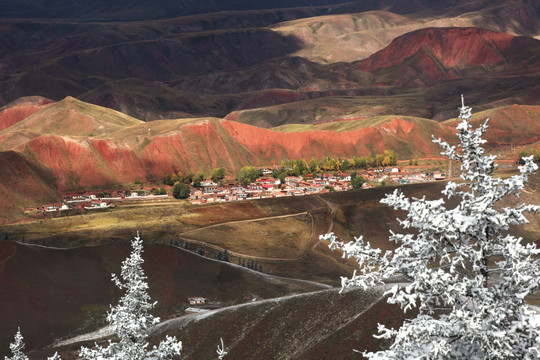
(467, 277)
(131, 318)
(17, 347)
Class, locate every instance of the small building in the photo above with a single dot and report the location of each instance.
(439, 176)
(197, 301)
(97, 205)
(208, 183)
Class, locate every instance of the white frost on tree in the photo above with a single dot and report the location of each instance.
(17, 347)
(468, 277)
(131, 318)
(221, 351)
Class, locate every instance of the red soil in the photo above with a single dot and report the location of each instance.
(20, 110)
(269, 144)
(452, 47)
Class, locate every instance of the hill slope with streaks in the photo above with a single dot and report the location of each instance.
(432, 54)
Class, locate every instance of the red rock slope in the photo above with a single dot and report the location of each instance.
(445, 53)
(21, 109)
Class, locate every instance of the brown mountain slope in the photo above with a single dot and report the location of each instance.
(317, 325)
(346, 37)
(52, 293)
(352, 37)
(23, 183)
(290, 328)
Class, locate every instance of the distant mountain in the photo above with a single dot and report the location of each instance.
(212, 64)
(355, 36)
(427, 55)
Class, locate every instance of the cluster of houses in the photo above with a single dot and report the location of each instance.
(264, 187)
(82, 202)
(89, 201)
(268, 186)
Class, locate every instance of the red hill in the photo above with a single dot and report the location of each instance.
(71, 144)
(404, 136)
(446, 53)
(21, 109)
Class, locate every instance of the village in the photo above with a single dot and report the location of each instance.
(230, 189)
(268, 186)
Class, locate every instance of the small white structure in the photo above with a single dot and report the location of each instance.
(197, 301)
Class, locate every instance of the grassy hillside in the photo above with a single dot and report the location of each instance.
(52, 293)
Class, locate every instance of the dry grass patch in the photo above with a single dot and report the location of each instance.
(280, 238)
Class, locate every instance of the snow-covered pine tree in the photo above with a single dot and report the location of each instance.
(467, 276)
(17, 347)
(131, 318)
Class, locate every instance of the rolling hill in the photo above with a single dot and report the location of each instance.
(71, 145)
